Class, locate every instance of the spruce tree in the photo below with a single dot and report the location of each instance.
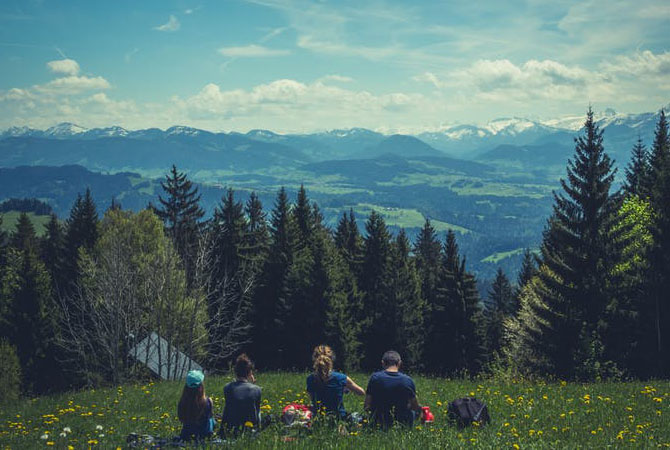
(24, 238)
(427, 250)
(349, 242)
(660, 251)
(409, 305)
(29, 317)
(180, 211)
(81, 233)
(257, 238)
(302, 213)
(501, 304)
(455, 329)
(229, 227)
(638, 176)
(53, 249)
(561, 321)
(378, 309)
(527, 271)
(272, 306)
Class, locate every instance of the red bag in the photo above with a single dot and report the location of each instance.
(428, 416)
(296, 415)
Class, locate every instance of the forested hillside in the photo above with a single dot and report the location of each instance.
(591, 305)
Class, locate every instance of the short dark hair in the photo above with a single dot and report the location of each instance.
(391, 358)
(243, 366)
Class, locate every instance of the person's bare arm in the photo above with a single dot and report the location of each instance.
(368, 402)
(353, 387)
(414, 405)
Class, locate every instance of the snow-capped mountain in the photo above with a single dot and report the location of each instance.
(20, 131)
(114, 131)
(181, 130)
(65, 129)
(466, 141)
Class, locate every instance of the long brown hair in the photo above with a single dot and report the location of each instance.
(192, 404)
(323, 366)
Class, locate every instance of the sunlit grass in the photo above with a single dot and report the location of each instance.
(529, 415)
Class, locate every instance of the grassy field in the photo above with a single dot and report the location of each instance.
(524, 415)
(10, 218)
(402, 217)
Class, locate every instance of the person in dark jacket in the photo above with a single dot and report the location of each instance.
(242, 397)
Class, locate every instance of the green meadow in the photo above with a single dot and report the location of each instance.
(524, 415)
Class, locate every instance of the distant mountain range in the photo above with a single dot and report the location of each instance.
(492, 182)
(459, 141)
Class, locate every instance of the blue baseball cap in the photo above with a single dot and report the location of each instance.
(194, 378)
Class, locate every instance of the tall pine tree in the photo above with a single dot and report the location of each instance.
(660, 251)
(559, 322)
(638, 172)
(53, 250)
(181, 213)
(501, 304)
(272, 307)
(427, 250)
(81, 233)
(410, 306)
(29, 319)
(378, 309)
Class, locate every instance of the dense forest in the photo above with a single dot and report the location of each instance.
(592, 304)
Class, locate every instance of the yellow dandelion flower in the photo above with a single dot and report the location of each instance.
(248, 424)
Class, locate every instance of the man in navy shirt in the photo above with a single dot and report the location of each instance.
(391, 395)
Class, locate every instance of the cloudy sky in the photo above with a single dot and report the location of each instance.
(293, 65)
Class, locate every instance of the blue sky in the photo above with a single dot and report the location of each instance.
(296, 65)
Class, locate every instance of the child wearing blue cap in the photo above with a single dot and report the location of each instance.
(195, 408)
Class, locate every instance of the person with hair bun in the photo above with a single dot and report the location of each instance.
(243, 398)
(326, 387)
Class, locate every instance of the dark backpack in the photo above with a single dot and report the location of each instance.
(464, 411)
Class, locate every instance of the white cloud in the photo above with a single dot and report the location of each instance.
(252, 51)
(171, 25)
(337, 78)
(65, 66)
(502, 80)
(73, 85)
(641, 64)
(291, 105)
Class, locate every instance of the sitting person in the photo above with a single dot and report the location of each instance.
(243, 398)
(391, 395)
(326, 387)
(195, 408)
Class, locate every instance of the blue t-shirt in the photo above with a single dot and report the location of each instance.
(203, 427)
(391, 393)
(329, 394)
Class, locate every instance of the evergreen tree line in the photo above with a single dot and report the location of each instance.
(598, 305)
(592, 303)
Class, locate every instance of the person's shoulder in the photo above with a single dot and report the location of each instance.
(407, 378)
(339, 376)
(377, 375)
